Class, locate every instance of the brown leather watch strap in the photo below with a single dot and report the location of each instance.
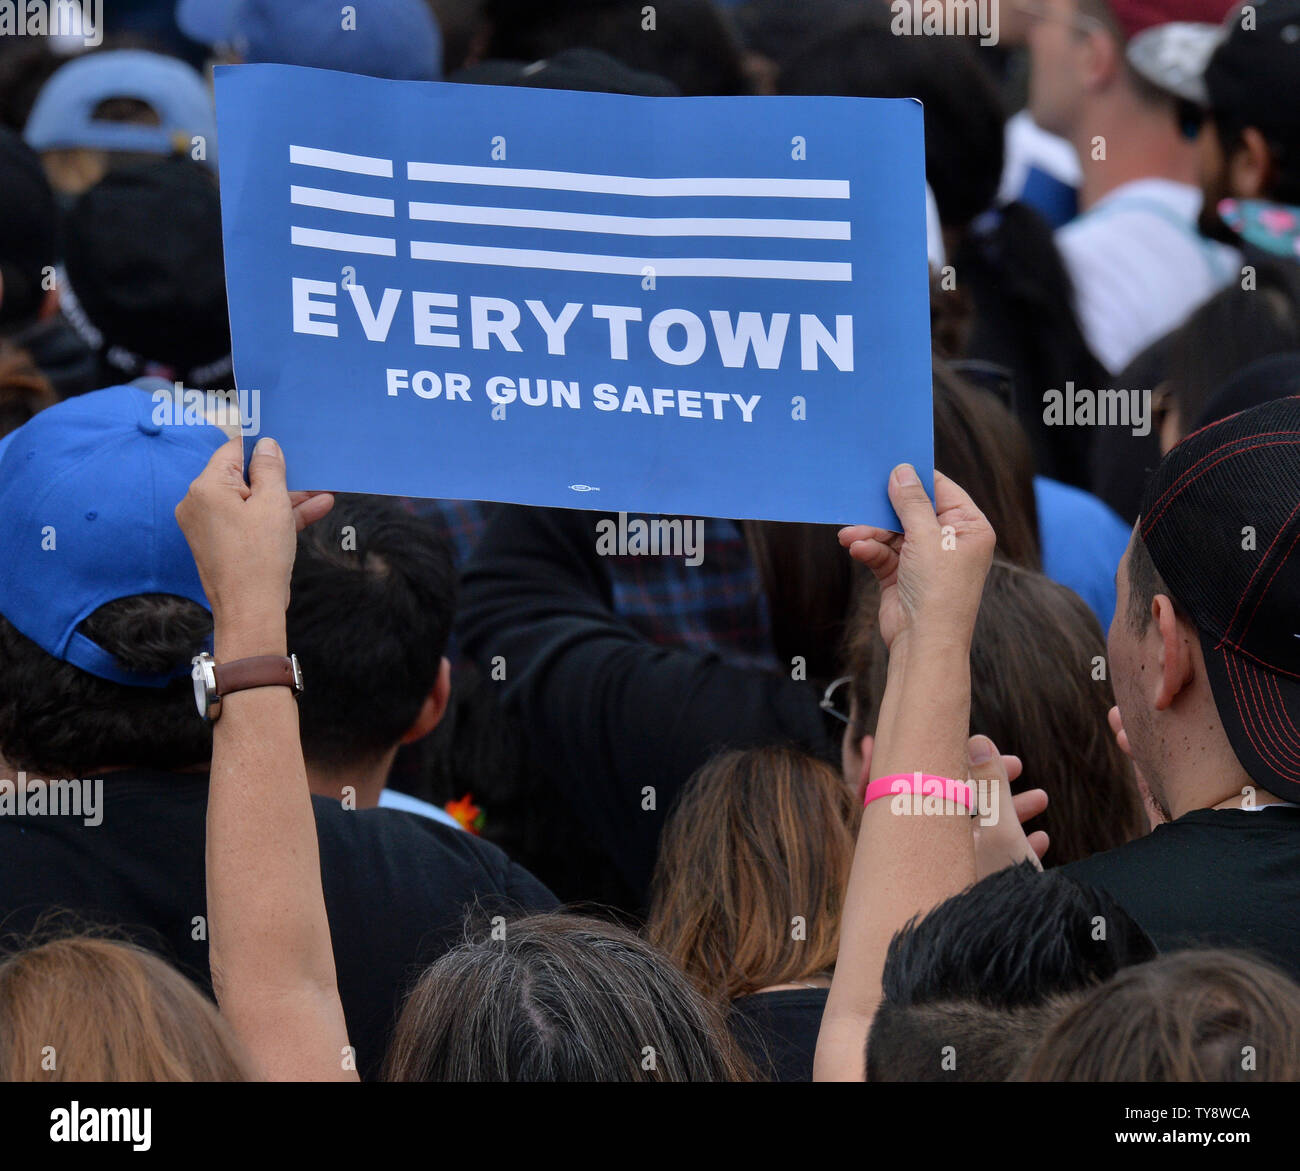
(259, 671)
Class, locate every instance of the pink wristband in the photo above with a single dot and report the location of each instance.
(919, 786)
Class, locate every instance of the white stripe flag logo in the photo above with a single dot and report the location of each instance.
(512, 185)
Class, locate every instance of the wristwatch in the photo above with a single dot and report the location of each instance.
(212, 680)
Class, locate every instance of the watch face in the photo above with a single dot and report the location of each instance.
(200, 687)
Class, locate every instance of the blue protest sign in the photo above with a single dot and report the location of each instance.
(702, 306)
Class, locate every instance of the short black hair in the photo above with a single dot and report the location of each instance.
(58, 720)
(956, 1041)
(1144, 583)
(693, 44)
(971, 986)
(370, 612)
(1013, 940)
(964, 114)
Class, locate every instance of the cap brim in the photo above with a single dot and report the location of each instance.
(1260, 712)
(1173, 57)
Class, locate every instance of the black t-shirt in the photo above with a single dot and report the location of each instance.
(614, 724)
(1213, 878)
(397, 887)
(779, 1031)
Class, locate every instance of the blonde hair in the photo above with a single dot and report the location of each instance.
(759, 838)
(102, 1010)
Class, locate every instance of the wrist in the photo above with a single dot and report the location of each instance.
(245, 635)
(926, 639)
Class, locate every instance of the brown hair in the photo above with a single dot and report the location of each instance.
(560, 998)
(1192, 1016)
(24, 390)
(86, 1009)
(811, 585)
(757, 839)
(979, 443)
(1034, 658)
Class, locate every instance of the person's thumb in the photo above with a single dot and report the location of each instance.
(987, 773)
(266, 467)
(907, 495)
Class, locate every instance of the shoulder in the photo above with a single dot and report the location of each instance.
(406, 853)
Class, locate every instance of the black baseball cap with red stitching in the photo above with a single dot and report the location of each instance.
(1221, 520)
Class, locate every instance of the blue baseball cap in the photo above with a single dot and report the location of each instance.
(63, 115)
(88, 492)
(397, 39)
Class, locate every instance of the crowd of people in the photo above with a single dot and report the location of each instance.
(306, 786)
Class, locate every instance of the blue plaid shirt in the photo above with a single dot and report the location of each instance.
(715, 607)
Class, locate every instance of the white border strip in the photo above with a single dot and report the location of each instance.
(343, 242)
(342, 201)
(625, 184)
(618, 225)
(333, 160)
(787, 270)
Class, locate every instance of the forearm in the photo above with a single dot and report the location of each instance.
(271, 955)
(903, 865)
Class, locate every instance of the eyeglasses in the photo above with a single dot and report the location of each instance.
(997, 380)
(828, 699)
(1191, 119)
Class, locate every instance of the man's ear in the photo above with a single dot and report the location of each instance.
(1175, 656)
(1102, 59)
(1250, 167)
(433, 708)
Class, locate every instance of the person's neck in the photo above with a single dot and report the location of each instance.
(1221, 784)
(367, 781)
(1139, 143)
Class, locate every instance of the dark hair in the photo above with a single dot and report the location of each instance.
(1193, 1016)
(1285, 156)
(692, 43)
(26, 64)
(861, 57)
(1144, 583)
(370, 610)
(1021, 304)
(1012, 940)
(62, 721)
(809, 584)
(24, 390)
(1231, 329)
(1034, 691)
(985, 972)
(818, 598)
(559, 998)
(979, 443)
(956, 1041)
(779, 29)
(756, 837)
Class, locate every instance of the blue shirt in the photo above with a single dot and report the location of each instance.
(1083, 542)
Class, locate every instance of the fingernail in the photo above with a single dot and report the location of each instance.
(266, 446)
(906, 474)
(981, 749)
